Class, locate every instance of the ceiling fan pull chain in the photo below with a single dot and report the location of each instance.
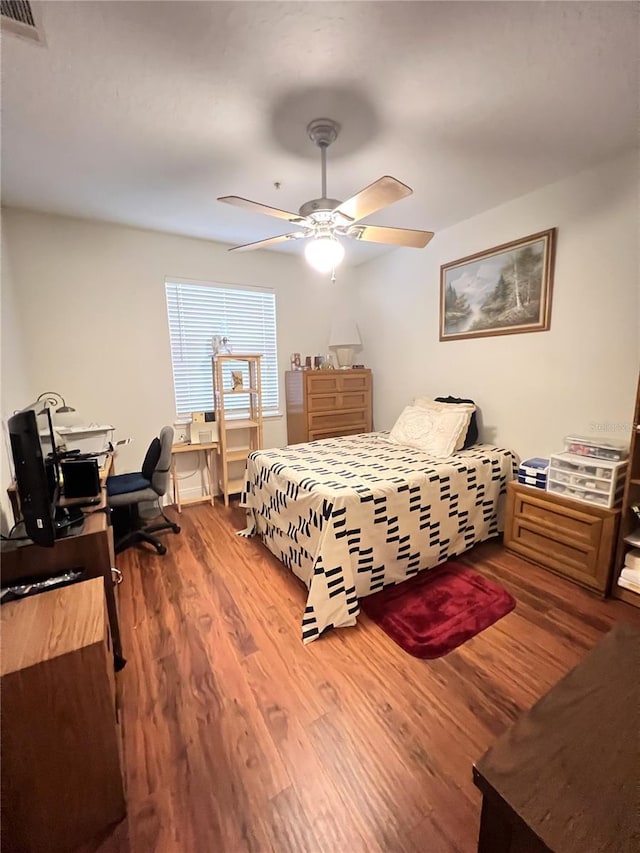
(323, 160)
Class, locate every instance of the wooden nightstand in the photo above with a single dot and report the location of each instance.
(570, 538)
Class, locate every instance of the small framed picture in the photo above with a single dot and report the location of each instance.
(220, 345)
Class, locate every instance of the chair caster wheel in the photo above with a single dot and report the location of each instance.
(176, 528)
(161, 550)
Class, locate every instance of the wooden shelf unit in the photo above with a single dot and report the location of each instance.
(230, 483)
(628, 522)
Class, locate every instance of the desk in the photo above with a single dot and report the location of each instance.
(564, 777)
(106, 471)
(90, 548)
(61, 771)
(185, 447)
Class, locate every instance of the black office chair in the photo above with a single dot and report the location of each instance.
(125, 492)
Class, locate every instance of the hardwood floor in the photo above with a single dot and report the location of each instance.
(239, 738)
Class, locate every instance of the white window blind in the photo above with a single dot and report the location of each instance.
(197, 312)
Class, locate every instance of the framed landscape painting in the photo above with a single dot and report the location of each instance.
(501, 291)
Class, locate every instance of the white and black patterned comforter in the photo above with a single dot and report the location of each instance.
(350, 515)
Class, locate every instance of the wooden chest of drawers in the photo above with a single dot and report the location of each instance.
(326, 403)
(61, 764)
(570, 538)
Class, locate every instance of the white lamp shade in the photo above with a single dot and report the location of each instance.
(324, 253)
(67, 419)
(344, 333)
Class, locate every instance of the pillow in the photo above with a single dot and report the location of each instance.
(470, 436)
(151, 459)
(435, 431)
(472, 433)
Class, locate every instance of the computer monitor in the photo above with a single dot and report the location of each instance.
(36, 479)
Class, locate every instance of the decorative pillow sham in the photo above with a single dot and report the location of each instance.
(468, 436)
(436, 432)
(472, 432)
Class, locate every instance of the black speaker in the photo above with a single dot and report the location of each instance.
(81, 478)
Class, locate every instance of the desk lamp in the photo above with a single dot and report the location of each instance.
(51, 399)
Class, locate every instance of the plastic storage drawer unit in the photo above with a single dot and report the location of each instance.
(533, 472)
(595, 448)
(594, 481)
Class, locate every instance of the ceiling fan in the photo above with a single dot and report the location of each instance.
(323, 220)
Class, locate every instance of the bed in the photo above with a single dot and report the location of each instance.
(353, 514)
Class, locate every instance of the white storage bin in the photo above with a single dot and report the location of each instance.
(594, 447)
(593, 481)
(86, 439)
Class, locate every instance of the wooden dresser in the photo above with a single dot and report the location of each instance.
(326, 403)
(61, 764)
(568, 537)
(564, 776)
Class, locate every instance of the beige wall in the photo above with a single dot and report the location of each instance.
(533, 389)
(83, 313)
(16, 389)
(92, 303)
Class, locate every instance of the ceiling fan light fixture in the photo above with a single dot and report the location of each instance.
(324, 218)
(324, 253)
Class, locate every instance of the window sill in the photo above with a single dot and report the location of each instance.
(266, 416)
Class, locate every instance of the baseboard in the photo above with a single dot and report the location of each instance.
(186, 494)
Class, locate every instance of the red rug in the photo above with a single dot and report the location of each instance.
(438, 610)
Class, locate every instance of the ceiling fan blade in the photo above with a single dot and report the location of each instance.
(377, 195)
(256, 207)
(394, 236)
(260, 244)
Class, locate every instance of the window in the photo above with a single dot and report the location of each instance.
(197, 312)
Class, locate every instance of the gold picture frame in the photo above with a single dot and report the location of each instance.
(501, 291)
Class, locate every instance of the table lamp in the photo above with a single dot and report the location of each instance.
(343, 340)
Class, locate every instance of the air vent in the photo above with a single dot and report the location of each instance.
(19, 17)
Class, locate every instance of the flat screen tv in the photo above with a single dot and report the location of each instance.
(36, 480)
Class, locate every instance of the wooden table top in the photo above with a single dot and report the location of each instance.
(185, 446)
(51, 624)
(104, 472)
(95, 518)
(570, 766)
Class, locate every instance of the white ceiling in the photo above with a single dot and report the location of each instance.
(144, 112)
